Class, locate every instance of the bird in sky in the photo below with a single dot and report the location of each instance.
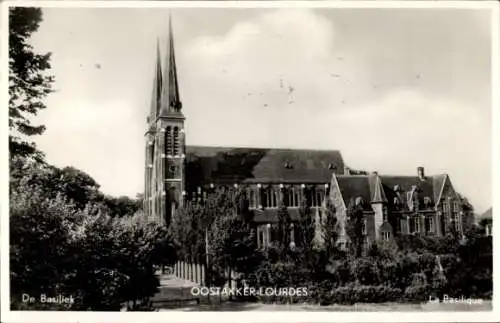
(98, 66)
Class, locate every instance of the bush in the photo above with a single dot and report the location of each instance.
(99, 260)
(417, 293)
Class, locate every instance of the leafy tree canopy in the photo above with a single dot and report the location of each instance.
(29, 81)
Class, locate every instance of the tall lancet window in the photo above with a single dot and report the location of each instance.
(176, 141)
(151, 152)
(168, 140)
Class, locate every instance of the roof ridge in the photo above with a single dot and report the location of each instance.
(267, 148)
(412, 176)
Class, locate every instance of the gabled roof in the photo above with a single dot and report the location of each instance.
(426, 187)
(438, 183)
(231, 165)
(375, 188)
(354, 186)
(488, 214)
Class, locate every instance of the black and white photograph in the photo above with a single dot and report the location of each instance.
(275, 157)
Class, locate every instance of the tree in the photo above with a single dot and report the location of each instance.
(71, 183)
(188, 229)
(29, 82)
(355, 218)
(330, 233)
(306, 225)
(283, 227)
(123, 205)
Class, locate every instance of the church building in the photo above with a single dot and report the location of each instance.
(176, 172)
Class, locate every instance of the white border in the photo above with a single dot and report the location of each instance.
(16, 316)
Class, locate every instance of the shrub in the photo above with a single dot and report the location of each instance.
(417, 293)
(101, 261)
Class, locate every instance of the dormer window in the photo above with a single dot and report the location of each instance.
(397, 188)
(331, 166)
(427, 201)
(288, 165)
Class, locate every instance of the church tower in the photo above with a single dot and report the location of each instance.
(165, 144)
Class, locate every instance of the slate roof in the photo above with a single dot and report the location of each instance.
(353, 186)
(488, 214)
(429, 187)
(375, 188)
(229, 165)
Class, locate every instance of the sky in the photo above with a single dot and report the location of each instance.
(392, 89)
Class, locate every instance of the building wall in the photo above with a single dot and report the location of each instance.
(449, 205)
(378, 215)
(337, 200)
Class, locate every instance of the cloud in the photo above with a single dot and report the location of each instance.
(280, 78)
(238, 95)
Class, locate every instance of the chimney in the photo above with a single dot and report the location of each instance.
(421, 173)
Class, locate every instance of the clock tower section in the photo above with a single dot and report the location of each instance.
(165, 183)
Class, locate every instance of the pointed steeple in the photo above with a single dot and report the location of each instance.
(170, 101)
(379, 194)
(157, 85)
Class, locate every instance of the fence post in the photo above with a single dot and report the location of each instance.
(198, 273)
(203, 281)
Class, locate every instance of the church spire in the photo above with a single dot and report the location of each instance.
(170, 101)
(157, 85)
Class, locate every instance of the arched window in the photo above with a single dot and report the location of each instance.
(319, 198)
(176, 141)
(152, 152)
(168, 140)
(416, 220)
(266, 200)
(312, 196)
(288, 197)
(445, 207)
(430, 224)
(275, 198)
(296, 197)
(363, 226)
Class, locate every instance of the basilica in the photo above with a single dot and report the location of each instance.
(175, 172)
